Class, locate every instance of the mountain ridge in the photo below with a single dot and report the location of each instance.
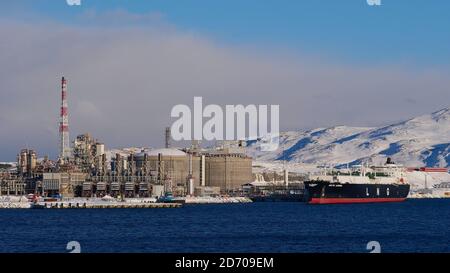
(420, 141)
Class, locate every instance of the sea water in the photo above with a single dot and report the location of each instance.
(416, 225)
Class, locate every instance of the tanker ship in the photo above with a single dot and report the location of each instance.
(359, 184)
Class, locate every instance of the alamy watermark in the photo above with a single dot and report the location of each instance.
(230, 124)
(374, 2)
(374, 247)
(78, 2)
(73, 2)
(73, 247)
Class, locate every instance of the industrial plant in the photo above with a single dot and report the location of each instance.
(87, 169)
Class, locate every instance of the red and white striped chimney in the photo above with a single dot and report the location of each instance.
(64, 149)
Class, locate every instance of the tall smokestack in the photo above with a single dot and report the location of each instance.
(168, 136)
(64, 148)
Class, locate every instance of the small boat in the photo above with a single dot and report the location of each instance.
(169, 198)
(37, 206)
(166, 198)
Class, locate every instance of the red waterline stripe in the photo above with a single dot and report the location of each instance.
(353, 200)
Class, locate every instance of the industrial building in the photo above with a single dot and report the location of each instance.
(182, 172)
(228, 171)
(26, 162)
(85, 169)
(61, 183)
(149, 172)
(89, 155)
(11, 184)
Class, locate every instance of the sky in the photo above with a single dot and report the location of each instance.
(128, 63)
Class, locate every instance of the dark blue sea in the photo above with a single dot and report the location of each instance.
(411, 226)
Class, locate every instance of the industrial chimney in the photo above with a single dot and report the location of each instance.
(168, 136)
(64, 148)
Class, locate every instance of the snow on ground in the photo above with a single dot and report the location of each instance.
(124, 152)
(422, 180)
(13, 199)
(279, 167)
(421, 141)
(13, 164)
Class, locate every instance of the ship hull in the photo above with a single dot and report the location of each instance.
(324, 192)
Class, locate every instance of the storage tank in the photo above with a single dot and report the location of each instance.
(175, 165)
(99, 149)
(157, 190)
(228, 171)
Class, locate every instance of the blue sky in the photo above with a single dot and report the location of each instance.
(324, 62)
(405, 31)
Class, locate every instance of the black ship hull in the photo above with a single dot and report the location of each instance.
(324, 192)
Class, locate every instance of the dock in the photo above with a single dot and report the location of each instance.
(128, 203)
(87, 205)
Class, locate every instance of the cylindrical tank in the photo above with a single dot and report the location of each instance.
(191, 187)
(99, 149)
(23, 161)
(31, 161)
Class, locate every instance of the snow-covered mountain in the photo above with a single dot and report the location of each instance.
(421, 141)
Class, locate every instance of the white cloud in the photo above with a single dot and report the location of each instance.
(124, 81)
